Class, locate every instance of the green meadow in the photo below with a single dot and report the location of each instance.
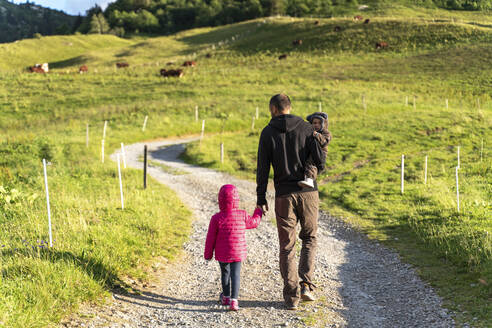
(369, 95)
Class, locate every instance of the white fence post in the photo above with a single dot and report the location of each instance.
(447, 105)
(203, 130)
(121, 184)
(123, 155)
(104, 129)
(402, 173)
(47, 201)
(457, 190)
(257, 113)
(253, 124)
(145, 123)
(102, 151)
(221, 152)
(406, 100)
(458, 157)
(196, 113)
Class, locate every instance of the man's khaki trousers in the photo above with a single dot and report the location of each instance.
(289, 209)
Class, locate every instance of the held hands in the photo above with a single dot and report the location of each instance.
(263, 208)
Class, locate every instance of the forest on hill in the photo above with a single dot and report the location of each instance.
(169, 16)
(26, 19)
(162, 17)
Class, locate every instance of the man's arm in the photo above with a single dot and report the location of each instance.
(262, 169)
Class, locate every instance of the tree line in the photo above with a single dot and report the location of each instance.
(168, 16)
(126, 17)
(28, 19)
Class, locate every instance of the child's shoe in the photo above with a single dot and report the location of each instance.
(234, 305)
(224, 300)
(306, 183)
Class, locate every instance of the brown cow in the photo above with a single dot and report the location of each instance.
(34, 69)
(297, 42)
(189, 63)
(367, 21)
(122, 65)
(338, 28)
(209, 55)
(358, 18)
(83, 69)
(316, 22)
(172, 72)
(284, 56)
(381, 45)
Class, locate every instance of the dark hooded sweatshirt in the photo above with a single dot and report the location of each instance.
(286, 143)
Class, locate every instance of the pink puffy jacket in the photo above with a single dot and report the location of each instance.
(226, 232)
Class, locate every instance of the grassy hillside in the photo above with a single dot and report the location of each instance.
(58, 51)
(46, 116)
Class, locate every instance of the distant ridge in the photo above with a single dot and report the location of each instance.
(24, 20)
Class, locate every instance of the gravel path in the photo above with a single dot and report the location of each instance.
(360, 283)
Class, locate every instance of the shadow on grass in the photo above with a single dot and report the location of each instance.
(95, 268)
(74, 61)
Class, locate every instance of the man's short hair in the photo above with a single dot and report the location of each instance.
(281, 102)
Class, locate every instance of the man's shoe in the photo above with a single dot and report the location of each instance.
(306, 183)
(306, 293)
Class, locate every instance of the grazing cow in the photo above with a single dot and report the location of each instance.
(45, 67)
(284, 56)
(358, 18)
(122, 65)
(83, 69)
(189, 63)
(36, 69)
(367, 21)
(297, 42)
(316, 22)
(209, 55)
(381, 45)
(338, 28)
(172, 72)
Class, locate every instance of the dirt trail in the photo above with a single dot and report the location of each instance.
(360, 283)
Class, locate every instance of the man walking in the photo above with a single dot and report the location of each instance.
(285, 143)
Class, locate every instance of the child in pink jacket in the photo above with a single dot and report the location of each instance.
(226, 234)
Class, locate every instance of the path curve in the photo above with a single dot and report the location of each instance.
(360, 283)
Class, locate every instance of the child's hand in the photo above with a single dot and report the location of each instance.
(263, 208)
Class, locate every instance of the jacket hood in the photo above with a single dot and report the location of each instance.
(323, 117)
(228, 197)
(286, 122)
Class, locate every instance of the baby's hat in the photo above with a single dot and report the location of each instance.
(319, 115)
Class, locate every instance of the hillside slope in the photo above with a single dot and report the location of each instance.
(381, 104)
(22, 21)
